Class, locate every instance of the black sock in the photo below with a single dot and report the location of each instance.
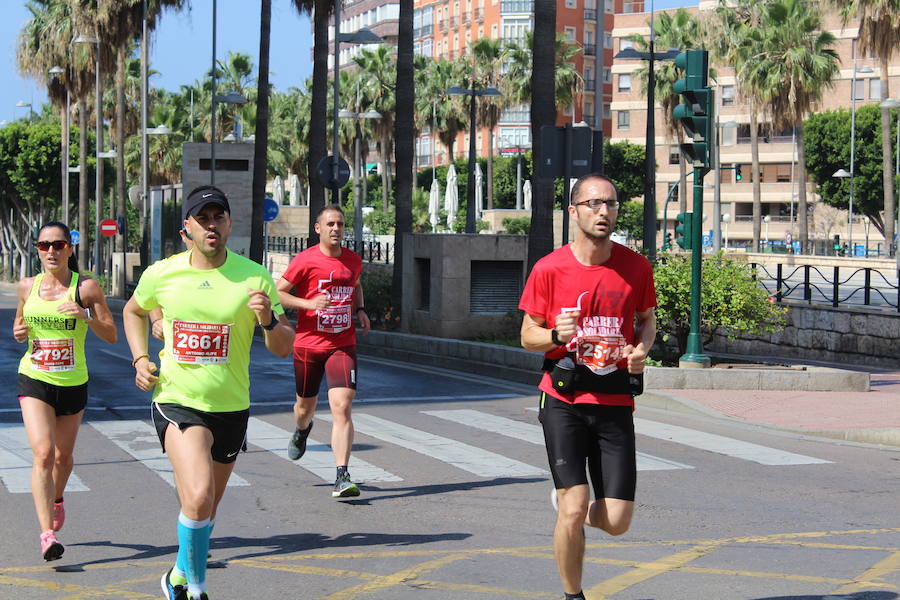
(58, 500)
(341, 470)
(578, 596)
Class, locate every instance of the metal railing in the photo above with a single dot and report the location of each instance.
(863, 286)
(371, 251)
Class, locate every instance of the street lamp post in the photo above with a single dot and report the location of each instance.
(98, 135)
(470, 179)
(843, 174)
(650, 141)
(56, 72)
(357, 170)
(726, 219)
(766, 220)
(23, 104)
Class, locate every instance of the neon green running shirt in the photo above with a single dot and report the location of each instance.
(208, 329)
(55, 352)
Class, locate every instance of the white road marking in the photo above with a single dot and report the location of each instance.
(533, 434)
(722, 445)
(318, 459)
(15, 462)
(139, 439)
(483, 463)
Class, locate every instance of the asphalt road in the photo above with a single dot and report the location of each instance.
(454, 503)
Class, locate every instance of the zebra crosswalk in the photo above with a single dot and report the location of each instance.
(137, 438)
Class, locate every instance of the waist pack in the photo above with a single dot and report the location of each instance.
(567, 377)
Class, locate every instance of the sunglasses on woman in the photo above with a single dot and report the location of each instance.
(56, 245)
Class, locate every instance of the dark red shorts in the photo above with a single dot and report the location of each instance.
(337, 364)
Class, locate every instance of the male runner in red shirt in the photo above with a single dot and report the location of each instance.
(325, 279)
(590, 302)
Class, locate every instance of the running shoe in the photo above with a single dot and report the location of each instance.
(202, 596)
(50, 546)
(174, 588)
(297, 445)
(59, 515)
(344, 488)
(554, 501)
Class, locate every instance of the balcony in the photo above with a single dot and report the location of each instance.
(424, 31)
(590, 85)
(442, 25)
(479, 15)
(590, 14)
(453, 23)
(465, 18)
(590, 50)
(516, 6)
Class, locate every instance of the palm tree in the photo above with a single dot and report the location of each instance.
(795, 65)
(488, 56)
(261, 133)
(445, 115)
(732, 45)
(517, 79)
(879, 35)
(543, 112)
(380, 67)
(320, 11)
(405, 95)
(682, 31)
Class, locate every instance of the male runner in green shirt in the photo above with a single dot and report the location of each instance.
(212, 300)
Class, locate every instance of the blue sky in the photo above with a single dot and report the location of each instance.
(181, 50)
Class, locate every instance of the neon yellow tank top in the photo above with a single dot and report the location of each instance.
(55, 352)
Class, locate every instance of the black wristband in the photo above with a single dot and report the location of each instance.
(555, 339)
(360, 308)
(271, 325)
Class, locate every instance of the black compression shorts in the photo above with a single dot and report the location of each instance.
(65, 399)
(229, 429)
(601, 436)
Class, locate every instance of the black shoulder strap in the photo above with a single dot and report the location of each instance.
(78, 291)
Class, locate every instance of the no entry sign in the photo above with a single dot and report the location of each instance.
(108, 227)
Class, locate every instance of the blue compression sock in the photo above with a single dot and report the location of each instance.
(181, 561)
(193, 543)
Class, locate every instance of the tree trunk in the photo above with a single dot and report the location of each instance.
(121, 193)
(318, 145)
(404, 145)
(490, 169)
(543, 112)
(82, 184)
(385, 173)
(890, 209)
(802, 217)
(754, 171)
(260, 145)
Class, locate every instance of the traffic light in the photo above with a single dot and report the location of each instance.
(737, 173)
(684, 230)
(837, 244)
(696, 110)
(667, 241)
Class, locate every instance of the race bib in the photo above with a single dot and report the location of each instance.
(600, 353)
(200, 343)
(53, 356)
(334, 319)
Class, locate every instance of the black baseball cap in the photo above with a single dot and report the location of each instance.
(202, 196)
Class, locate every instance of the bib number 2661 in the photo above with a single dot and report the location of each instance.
(200, 343)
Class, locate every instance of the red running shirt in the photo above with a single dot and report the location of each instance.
(312, 273)
(608, 297)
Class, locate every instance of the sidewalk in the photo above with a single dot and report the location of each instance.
(868, 417)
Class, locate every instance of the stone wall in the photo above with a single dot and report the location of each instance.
(842, 335)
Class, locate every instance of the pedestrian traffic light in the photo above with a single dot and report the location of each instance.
(737, 173)
(684, 230)
(837, 243)
(696, 110)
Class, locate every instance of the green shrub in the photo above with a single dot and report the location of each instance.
(517, 225)
(376, 284)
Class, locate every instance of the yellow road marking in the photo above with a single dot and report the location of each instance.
(400, 577)
(876, 573)
(648, 570)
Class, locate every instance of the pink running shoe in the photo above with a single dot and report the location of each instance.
(50, 546)
(59, 515)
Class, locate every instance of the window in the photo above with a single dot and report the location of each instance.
(625, 44)
(727, 95)
(514, 137)
(571, 4)
(427, 50)
(623, 120)
(607, 40)
(570, 34)
(875, 89)
(607, 111)
(674, 155)
(625, 82)
(859, 89)
(607, 76)
(588, 38)
(516, 27)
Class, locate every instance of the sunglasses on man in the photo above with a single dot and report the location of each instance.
(56, 245)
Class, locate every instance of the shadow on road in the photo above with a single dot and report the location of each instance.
(426, 490)
(856, 596)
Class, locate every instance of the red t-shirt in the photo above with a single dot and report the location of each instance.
(313, 273)
(608, 297)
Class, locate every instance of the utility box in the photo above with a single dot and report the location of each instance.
(462, 285)
(234, 176)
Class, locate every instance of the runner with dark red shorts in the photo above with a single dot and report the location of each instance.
(325, 279)
(589, 308)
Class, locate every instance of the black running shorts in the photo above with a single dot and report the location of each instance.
(65, 399)
(337, 364)
(601, 435)
(229, 429)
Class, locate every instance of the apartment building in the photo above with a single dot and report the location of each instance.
(779, 178)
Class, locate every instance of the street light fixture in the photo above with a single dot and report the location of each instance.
(357, 169)
(650, 141)
(362, 36)
(843, 174)
(470, 180)
(23, 104)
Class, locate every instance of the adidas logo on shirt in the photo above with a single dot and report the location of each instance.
(205, 286)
